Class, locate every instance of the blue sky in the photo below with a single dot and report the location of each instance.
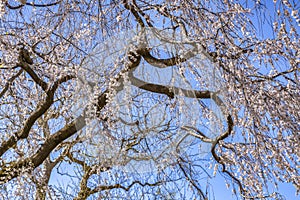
(220, 191)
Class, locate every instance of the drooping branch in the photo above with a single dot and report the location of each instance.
(30, 4)
(171, 91)
(181, 166)
(219, 159)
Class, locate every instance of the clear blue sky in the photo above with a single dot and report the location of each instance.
(220, 190)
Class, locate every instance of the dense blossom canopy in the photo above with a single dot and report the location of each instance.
(148, 99)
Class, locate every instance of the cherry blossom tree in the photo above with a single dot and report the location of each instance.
(148, 99)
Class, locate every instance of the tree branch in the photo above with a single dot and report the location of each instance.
(171, 91)
(15, 168)
(163, 63)
(30, 4)
(33, 75)
(218, 158)
(131, 8)
(41, 109)
(190, 180)
(9, 82)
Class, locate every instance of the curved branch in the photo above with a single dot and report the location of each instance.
(13, 7)
(218, 158)
(163, 63)
(109, 187)
(25, 62)
(41, 109)
(200, 135)
(31, 4)
(43, 5)
(88, 191)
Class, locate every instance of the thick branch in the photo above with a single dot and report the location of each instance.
(163, 63)
(171, 91)
(41, 109)
(34, 76)
(199, 134)
(31, 4)
(131, 8)
(15, 169)
(12, 171)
